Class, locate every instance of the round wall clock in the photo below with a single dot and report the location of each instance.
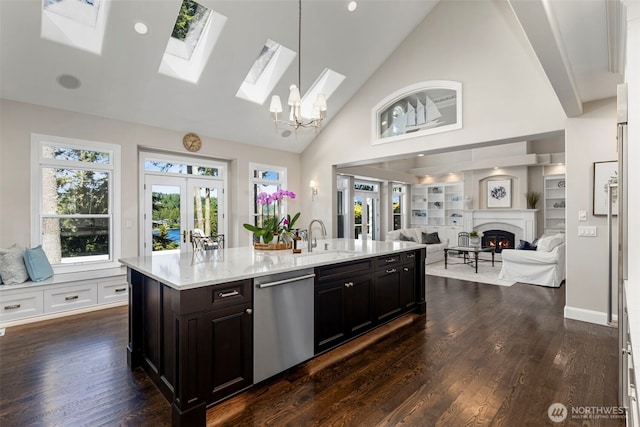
(192, 142)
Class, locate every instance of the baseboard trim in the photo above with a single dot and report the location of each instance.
(590, 316)
(59, 314)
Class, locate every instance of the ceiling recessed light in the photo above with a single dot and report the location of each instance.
(68, 81)
(420, 155)
(286, 133)
(353, 5)
(141, 28)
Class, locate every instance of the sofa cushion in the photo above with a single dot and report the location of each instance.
(37, 263)
(12, 268)
(548, 243)
(526, 246)
(405, 238)
(430, 238)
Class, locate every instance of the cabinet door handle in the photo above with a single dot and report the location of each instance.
(71, 298)
(121, 289)
(388, 260)
(406, 268)
(411, 255)
(248, 311)
(391, 270)
(11, 307)
(228, 294)
(348, 285)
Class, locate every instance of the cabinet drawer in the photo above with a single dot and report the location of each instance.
(408, 257)
(232, 293)
(21, 305)
(113, 291)
(389, 261)
(69, 298)
(347, 269)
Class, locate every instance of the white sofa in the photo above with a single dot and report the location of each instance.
(539, 267)
(435, 251)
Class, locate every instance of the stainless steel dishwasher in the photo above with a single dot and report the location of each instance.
(282, 322)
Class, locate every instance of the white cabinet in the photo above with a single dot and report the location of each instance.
(554, 203)
(437, 204)
(62, 294)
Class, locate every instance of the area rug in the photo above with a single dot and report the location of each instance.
(457, 270)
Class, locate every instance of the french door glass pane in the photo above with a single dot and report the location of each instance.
(205, 210)
(165, 200)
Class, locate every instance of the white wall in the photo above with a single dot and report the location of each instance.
(506, 96)
(505, 91)
(590, 138)
(19, 120)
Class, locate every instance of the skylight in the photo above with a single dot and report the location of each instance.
(265, 72)
(76, 23)
(326, 83)
(81, 11)
(188, 29)
(194, 34)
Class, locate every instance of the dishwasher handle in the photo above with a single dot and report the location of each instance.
(285, 281)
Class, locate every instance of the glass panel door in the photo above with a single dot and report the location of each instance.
(165, 223)
(365, 216)
(205, 208)
(176, 207)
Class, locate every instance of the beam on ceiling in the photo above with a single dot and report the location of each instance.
(541, 29)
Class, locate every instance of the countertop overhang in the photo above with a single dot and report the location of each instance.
(192, 270)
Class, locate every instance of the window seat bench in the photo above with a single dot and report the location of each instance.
(63, 295)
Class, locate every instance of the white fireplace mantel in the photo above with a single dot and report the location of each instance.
(522, 219)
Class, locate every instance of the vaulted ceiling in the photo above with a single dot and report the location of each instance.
(573, 40)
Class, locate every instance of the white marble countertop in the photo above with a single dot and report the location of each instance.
(193, 270)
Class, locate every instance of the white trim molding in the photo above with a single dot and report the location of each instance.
(590, 316)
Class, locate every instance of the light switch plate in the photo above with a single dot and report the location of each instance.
(582, 215)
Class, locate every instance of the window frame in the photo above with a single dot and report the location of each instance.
(113, 168)
(281, 183)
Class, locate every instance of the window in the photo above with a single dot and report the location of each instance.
(195, 33)
(80, 24)
(397, 205)
(266, 179)
(75, 196)
(266, 71)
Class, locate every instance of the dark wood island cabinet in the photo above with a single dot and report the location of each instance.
(194, 338)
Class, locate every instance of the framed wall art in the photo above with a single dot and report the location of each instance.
(604, 173)
(421, 109)
(499, 193)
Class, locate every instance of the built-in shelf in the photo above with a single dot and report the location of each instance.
(437, 204)
(554, 203)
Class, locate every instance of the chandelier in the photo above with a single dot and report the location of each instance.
(295, 102)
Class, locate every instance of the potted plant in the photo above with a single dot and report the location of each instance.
(474, 238)
(271, 226)
(532, 199)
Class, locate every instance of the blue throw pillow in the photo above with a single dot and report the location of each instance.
(526, 246)
(37, 263)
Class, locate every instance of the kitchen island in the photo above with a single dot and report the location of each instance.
(210, 324)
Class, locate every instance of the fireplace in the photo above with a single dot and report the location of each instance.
(498, 239)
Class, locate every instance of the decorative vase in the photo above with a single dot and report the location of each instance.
(474, 241)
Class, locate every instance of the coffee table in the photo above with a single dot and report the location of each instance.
(467, 250)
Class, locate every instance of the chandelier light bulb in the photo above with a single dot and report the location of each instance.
(276, 105)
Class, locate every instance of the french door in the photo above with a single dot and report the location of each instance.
(365, 206)
(175, 206)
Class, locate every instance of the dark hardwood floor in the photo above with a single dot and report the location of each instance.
(483, 356)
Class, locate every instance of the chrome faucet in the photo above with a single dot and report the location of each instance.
(311, 241)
